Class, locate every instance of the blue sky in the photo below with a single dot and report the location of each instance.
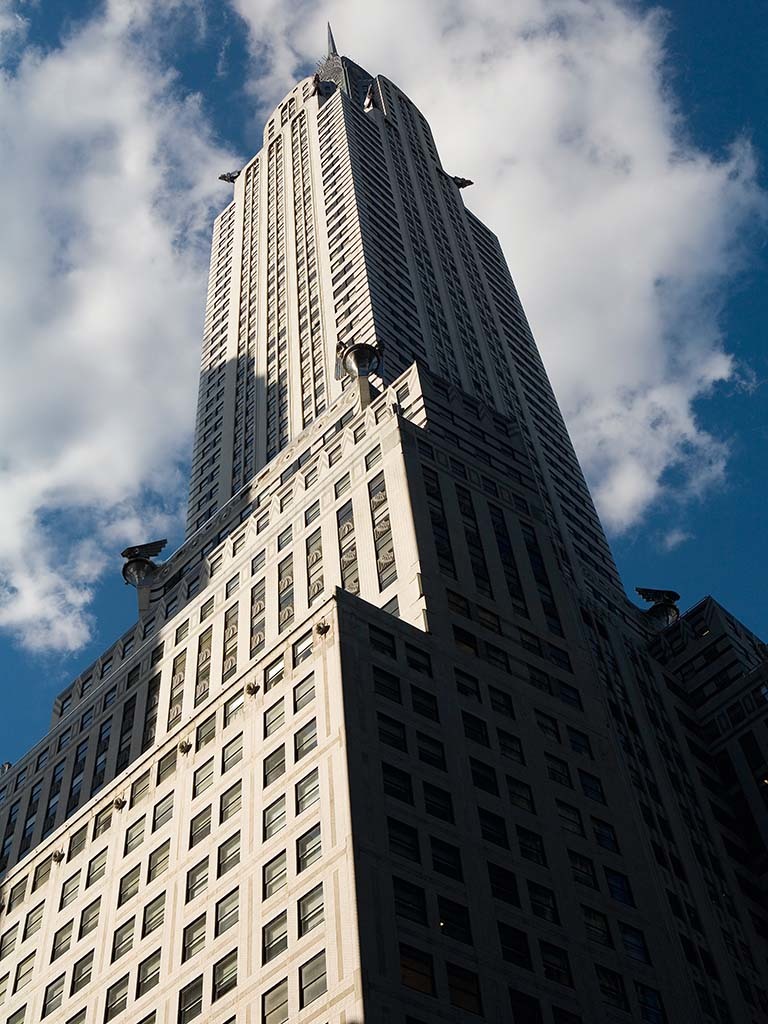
(120, 119)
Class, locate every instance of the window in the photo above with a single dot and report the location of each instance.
(611, 986)
(193, 938)
(454, 920)
(62, 940)
(397, 783)
(122, 940)
(391, 732)
(273, 674)
(274, 718)
(230, 802)
(54, 995)
(464, 988)
(514, 946)
(81, 973)
(493, 828)
(520, 794)
(483, 776)
(582, 869)
(228, 855)
(308, 848)
(597, 927)
(153, 916)
(416, 970)
(503, 885)
(305, 740)
(191, 1001)
(558, 770)
(232, 753)
(605, 835)
(33, 920)
(303, 693)
(410, 901)
(619, 887)
(225, 975)
(579, 742)
(205, 733)
(418, 660)
(139, 789)
(525, 1009)
(89, 918)
(134, 836)
(425, 703)
(430, 751)
(202, 778)
(386, 685)
(8, 941)
(200, 827)
(274, 765)
(227, 912)
(233, 708)
(274, 938)
(43, 869)
(651, 1006)
(18, 1016)
(531, 846)
(163, 812)
(382, 641)
(312, 980)
(475, 728)
(148, 974)
(70, 888)
(438, 802)
(117, 999)
(197, 879)
(543, 903)
(307, 791)
(158, 861)
(16, 895)
(591, 786)
(570, 818)
(274, 817)
(166, 766)
(634, 943)
(403, 840)
(446, 858)
(275, 1004)
(102, 822)
(129, 885)
(24, 972)
(556, 965)
(274, 875)
(302, 649)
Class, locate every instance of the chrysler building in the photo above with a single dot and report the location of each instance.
(387, 742)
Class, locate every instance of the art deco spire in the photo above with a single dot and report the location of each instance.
(332, 51)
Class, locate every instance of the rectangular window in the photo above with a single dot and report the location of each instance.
(274, 817)
(303, 693)
(117, 999)
(305, 740)
(312, 980)
(228, 855)
(33, 921)
(274, 718)
(311, 910)
(148, 974)
(232, 753)
(438, 802)
(446, 859)
(274, 937)
(158, 861)
(24, 971)
(122, 940)
(225, 975)
(70, 888)
(200, 827)
(556, 964)
(81, 973)
(191, 1001)
(54, 995)
(591, 786)
(166, 766)
(543, 902)
(493, 828)
(230, 802)
(416, 970)
(163, 812)
(275, 1004)
(597, 927)
(62, 940)
(206, 732)
(274, 765)
(274, 875)
(129, 885)
(514, 946)
(431, 751)
(97, 868)
(386, 685)
(197, 879)
(227, 912)
(531, 846)
(619, 887)
(273, 674)
(611, 986)
(134, 836)
(102, 822)
(153, 915)
(503, 885)
(139, 789)
(202, 778)
(307, 791)
(570, 818)
(302, 649)
(193, 938)
(308, 848)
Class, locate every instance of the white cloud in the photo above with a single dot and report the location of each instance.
(674, 538)
(620, 233)
(106, 186)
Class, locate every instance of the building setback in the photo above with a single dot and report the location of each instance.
(387, 744)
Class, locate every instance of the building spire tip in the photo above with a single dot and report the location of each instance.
(332, 51)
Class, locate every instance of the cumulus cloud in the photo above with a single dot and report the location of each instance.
(106, 189)
(620, 233)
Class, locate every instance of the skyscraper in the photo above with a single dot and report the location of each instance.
(387, 742)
